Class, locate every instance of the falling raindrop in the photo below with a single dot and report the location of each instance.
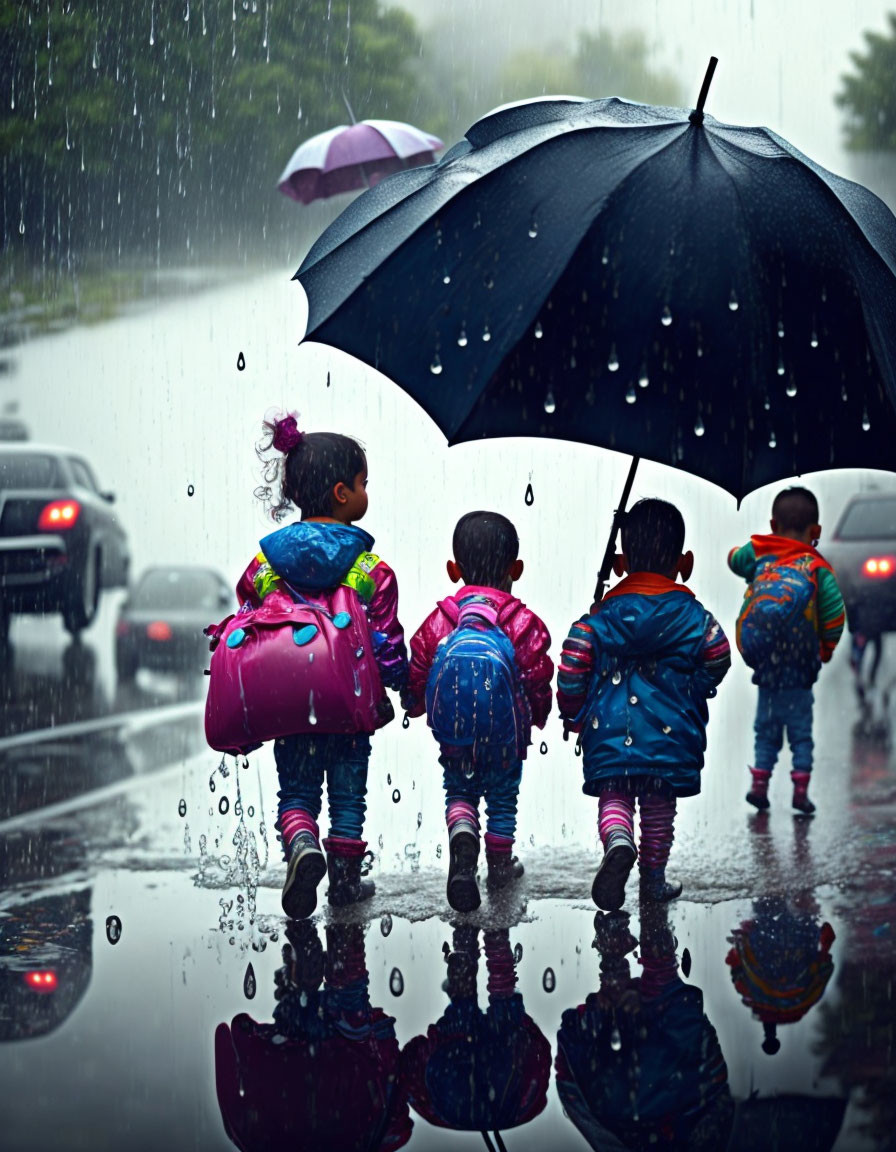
(530, 496)
(813, 339)
(388, 777)
(406, 722)
(250, 811)
(446, 278)
(517, 953)
(533, 229)
(386, 924)
(549, 980)
(182, 808)
(643, 380)
(396, 795)
(866, 423)
(249, 985)
(772, 442)
(666, 318)
(613, 362)
(538, 331)
(328, 379)
(780, 365)
(396, 982)
(211, 783)
(241, 362)
(699, 429)
(544, 748)
(732, 301)
(615, 1039)
(791, 387)
(766, 404)
(550, 404)
(781, 329)
(630, 396)
(436, 365)
(462, 338)
(486, 335)
(686, 962)
(190, 489)
(223, 805)
(844, 396)
(605, 258)
(439, 851)
(113, 929)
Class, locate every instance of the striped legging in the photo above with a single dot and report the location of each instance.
(616, 823)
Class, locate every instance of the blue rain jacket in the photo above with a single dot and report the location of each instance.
(648, 691)
(315, 556)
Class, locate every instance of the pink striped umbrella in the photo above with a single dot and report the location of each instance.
(354, 156)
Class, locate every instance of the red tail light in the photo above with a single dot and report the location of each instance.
(58, 515)
(879, 567)
(158, 630)
(44, 981)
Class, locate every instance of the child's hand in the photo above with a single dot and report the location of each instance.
(385, 711)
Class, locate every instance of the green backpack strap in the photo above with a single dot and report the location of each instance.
(359, 578)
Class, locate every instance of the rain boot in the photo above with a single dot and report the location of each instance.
(656, 889)
(304, 872)
(344, 859)
(462, 889)
(608, 889)
(304, 967)
(503, 869)
(463, 962)
(758, 794)
(801, 801)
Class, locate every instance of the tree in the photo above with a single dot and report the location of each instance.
(869, 94)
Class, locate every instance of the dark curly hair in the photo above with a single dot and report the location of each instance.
(485, 544)
(304, 477)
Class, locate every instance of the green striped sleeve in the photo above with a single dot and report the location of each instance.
(831, 612)
(742, 561)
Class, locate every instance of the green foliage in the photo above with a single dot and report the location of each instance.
(869, 94)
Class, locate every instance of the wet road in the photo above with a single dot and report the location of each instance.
(142, 938)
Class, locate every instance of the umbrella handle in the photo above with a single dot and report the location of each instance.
(696, 117)
(607, 566)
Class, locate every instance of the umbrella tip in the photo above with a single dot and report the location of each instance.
(696, 117)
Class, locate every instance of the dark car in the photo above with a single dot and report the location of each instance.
(863, 554)
(60, 541)
(160, 625)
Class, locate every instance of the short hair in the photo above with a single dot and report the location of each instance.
(795, 509)
(485, 544)
(652, 536)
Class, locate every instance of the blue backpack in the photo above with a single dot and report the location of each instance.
(473, 691)
(778, 620)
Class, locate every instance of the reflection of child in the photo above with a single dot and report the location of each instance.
(485, 548)
(325, 475)
(639, 1064)
(785, 562)
(634, 679)
(324, 1074)
(475, 1071)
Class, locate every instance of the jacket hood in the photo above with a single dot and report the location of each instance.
(313, 555)
(783, 548)
(633, 624)
(505, 603)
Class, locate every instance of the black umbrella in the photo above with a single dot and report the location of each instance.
(641, 278)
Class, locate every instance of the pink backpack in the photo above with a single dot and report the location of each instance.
(294, 665)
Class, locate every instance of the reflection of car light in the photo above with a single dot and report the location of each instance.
(41, 981)
(158, 630)
(879, 567)
(58, 514)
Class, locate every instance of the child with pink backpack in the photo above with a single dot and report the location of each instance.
(306, 660)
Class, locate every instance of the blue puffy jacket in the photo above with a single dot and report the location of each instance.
(656, 655)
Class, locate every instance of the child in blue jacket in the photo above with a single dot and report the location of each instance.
(634, 679)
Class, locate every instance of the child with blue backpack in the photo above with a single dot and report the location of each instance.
(634, 678)
(789, 624)
(480, 670)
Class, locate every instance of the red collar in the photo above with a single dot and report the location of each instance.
(646, 584)
(783, 548)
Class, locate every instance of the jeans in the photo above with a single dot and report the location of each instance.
(777, 710)
(302, 763)
(491, 774)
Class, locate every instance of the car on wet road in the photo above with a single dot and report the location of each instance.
(863, 554)
(61, 543)
(160, 625)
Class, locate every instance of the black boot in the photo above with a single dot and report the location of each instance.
(656, 888)
(608, 889)
(304, 872)
(344, 872)
(503, 869)
(462, 890)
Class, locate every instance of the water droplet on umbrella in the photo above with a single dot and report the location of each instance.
(396, 982)
(843, 394)
(530, 495)
(550, 404)
(605, 258)
(780, 365)
(666, 318)
(791, 387)
(549, 980)
(517, 953)
(113, 929)
(866, 423)
(643, 380)
(182, 808)
(190, 489)
(686, 962)
(630, 396)
(241, 362)
(732, 301)
(406, 722)
(538, 331)
(781, 329)
(462, 338)
(813, 341)
(486, 335)
(249, 985)
(772, 442)
(436, 365)
(386, 924)
(396, 795)
(223, 805)
(613, 362)
(544, 748)
(615, 1040)
(698, 426)
(533, 229)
